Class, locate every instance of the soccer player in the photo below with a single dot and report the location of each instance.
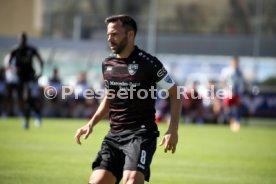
(129, 146)
(23, 55)
(234, 84)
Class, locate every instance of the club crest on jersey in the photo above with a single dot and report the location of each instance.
(132, 68)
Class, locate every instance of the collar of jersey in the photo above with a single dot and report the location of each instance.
(132, 54)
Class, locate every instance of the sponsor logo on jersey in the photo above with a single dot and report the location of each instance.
(161, 72)
(109, 68)
(132, 68)
(168, 79)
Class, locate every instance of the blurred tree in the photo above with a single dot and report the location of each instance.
(190, 17)
(271, 81)
(238, 21)
(269, 23)
(175, 16)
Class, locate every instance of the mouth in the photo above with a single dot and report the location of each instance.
(111, 46)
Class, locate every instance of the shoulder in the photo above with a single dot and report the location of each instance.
(32, 48)
(153, 64)
(109, 58)
(145, 55)
(14, 49)
(151, 61)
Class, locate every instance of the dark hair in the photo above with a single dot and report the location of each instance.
(127, 22)
(23, 35)
(23, 38)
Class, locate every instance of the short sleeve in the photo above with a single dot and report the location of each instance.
(103, 74)
(161, 75)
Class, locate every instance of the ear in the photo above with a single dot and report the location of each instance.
(131, 35)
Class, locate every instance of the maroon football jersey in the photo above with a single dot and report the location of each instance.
(132, 89)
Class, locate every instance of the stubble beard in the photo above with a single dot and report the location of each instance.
(120, 46)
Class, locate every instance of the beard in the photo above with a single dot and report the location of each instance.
(117, 48)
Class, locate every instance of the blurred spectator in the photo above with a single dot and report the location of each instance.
(213, 108)
(233, 82)
(54, 105)
(55, 81)
(162, 110)
(84, 103)
(251, 103)
(192, 105)
(91, 107)
(23, 55)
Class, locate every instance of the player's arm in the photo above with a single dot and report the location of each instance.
(164, 81)
(40, 62)
(9, 65)
(10, 58)
(87, 129)
(7, 61)
(170, 138)
(224, 75)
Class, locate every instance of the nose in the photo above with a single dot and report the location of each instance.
(109, 38)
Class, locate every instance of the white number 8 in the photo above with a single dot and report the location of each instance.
(143, 157)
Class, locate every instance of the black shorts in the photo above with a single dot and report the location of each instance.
(127, 151)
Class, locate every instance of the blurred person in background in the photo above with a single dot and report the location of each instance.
(233, 82)
(79, 105)
(162, 110)
(12, 87)
(53, 106)
(129, 146)
(23, 54)
(192, 105)
(213, 103)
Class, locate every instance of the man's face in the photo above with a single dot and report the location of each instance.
(116, 37)
(234, 63)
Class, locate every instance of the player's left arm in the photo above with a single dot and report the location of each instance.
(170, 139)
(164, 81)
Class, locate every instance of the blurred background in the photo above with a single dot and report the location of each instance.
(194, 39)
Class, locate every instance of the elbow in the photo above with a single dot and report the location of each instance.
(175, 94)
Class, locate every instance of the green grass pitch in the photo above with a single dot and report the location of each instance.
(208, 154)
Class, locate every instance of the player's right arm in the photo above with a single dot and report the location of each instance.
(10, 58)
(87, 129)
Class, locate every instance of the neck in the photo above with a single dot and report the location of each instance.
(22, 45)
(126, 52)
